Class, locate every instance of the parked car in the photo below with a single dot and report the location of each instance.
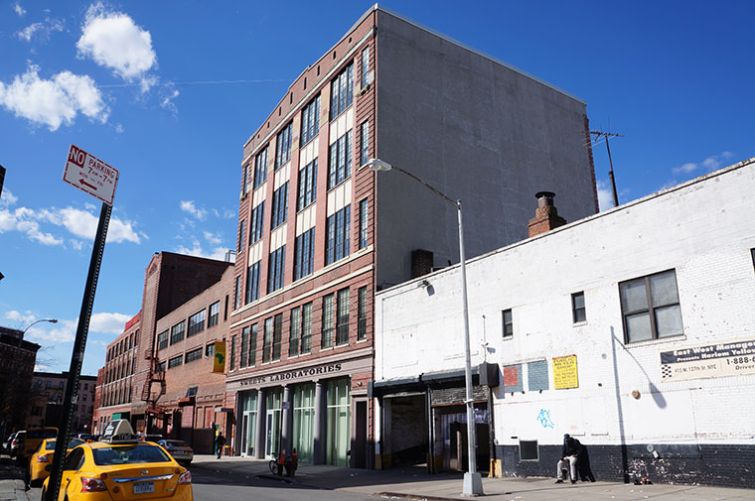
(40, 461)
(180, 450)
(16, 443)
(32, 439)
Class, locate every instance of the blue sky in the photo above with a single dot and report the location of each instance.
(173, 111)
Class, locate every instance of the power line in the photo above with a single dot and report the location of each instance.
(599, 134)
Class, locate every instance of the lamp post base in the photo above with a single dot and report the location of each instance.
(472, 485)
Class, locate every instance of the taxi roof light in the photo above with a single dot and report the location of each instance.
(119, 432)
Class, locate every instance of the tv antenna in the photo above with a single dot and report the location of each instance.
(603, 134)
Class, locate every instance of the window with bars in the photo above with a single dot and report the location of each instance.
(193, 355)
(175, 361)
(241, 239)
(304, 254)
(252, 283)
(650, 307)
(257, 222)
(342, 327)
(276, 266)
(283, 146)
(339, 160)
(267, 341)
(196, 323)
(365, 81)
(306, 328)
(214, 317)
(280, 205)
(342, 91)
(337, 245)
(277, 336)
(328, 321)
(237, 293)
(363, 218)
(260, 168)
(579, 314)
(508, 323)
(232, 361)
(364, 143)
(362, 313)
(162, 340)
(307, 185)
(310, 121)
(177, 333)
(294, 332)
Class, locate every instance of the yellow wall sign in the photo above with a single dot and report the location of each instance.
(565, 372)
(218, 360)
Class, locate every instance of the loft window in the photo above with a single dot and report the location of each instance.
(508, 323)
(342, 91)
(339, 164)
(579, 314)
(650, 307)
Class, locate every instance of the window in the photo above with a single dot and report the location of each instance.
(209, 350)
(328, 321)
(162, 340)
(237, 293)
(175, 361)
(310, 121)
(277, 336)
(508, 323)
(276, 265)
(365, 67)
(528, 450)
(306, 328)
(214, 317)
(176, 333)
(342, 91)
(304, 254)
(363, 215)
(253, 283)
(233, 353)
(337, 228)
(578, 307)
(252, 359)
(342, 329)
(650, 307)
(339, 164)
(280, 205)
(161, 367)
(283, 146)
(260, 168)
(257, 221)
(307, 185)
(246, 179)
(240, 243)
(267, 341)
(362, 313)
(294, 332)
(364, 143)
(248, 346)
(196, 323)
(193, 355)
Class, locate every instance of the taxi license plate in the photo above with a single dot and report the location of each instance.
(144, 488)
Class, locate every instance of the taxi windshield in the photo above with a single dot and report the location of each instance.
(129, 454)
(50, 445)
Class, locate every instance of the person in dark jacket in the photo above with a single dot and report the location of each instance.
(583, 464)
(219, 443)
(569, 456)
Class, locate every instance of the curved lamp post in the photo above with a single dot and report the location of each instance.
(472, 480)
(48, 320)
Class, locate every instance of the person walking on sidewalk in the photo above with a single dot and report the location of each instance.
(569, 457)
(219, 443)
(292, 464)
(281, 462)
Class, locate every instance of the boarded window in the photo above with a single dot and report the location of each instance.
(537, 375)
(528, 450)
(512, 378)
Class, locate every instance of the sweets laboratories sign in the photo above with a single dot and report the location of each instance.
(308, 373)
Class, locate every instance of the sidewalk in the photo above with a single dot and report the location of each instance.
(414, 483)
(12, 486)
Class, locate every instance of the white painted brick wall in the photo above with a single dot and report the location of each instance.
(703, 229)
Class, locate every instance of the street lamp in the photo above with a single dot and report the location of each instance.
(472, 480)
(48, 320)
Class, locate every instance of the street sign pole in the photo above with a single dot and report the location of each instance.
(70, 399)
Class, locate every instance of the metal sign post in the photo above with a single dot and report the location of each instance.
(95, 169)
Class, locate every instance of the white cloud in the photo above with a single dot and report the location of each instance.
(20, 11)
(62, 332)
(709, 164)
(119, 128)
(605, 196)
(22, 220)
(108, 323)
(20, 318)
(170, 93)
(7, 198)
(196, 249)
(212, 238)
(113, 40)
(53, 102)
(190, 207)
(40, 30)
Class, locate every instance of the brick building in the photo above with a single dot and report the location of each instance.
(47, 399)
(319, 233)
(633, 330)
(115, 385)
(17, 359)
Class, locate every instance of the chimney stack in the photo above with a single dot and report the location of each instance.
(546, 216)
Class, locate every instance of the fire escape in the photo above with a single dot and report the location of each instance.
(154, 375)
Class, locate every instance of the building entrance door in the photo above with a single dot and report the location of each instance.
(273, 423)
(248, 433)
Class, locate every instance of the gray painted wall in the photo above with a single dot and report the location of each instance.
(476, 130)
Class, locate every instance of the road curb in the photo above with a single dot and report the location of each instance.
(416, 497)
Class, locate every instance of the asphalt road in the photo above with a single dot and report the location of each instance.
(211, 485)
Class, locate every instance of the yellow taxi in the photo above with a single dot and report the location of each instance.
(41, 460)
(122, 468)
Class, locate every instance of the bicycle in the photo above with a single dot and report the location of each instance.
(273, 465)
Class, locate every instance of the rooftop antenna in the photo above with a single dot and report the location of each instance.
(599, 134)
